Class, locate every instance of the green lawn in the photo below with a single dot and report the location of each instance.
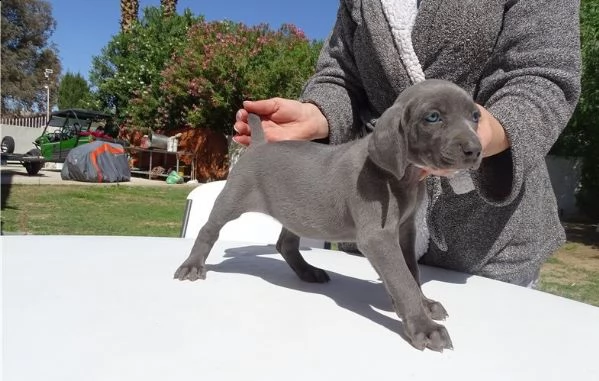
(573, 272)
(97, 210)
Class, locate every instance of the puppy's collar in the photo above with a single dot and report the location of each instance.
(423, 173)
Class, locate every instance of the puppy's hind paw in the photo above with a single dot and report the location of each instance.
(313, 275)
(190, 271)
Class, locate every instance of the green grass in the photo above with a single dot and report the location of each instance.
(586, 291)
(573, 273)
(95, 210)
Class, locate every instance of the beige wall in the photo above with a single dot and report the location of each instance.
(23, 136)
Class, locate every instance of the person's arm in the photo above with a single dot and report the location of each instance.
(336, 87)
(531, 87)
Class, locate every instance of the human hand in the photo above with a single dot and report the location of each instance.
(282, 119)
(491, 134)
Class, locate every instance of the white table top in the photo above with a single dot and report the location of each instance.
(107, 308)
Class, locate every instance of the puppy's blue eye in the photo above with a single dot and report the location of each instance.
(476, 116)
(433, 117)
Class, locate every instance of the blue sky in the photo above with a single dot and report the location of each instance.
(85, 27)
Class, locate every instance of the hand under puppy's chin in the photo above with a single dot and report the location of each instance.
(441, 172)
(438, 172)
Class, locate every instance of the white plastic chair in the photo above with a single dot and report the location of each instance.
(250, 227)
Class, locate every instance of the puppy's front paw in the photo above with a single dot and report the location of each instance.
(425, 333)
(435, 309)
(192, 269)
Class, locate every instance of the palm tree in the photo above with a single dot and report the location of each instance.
(169, 7)
(129, 10)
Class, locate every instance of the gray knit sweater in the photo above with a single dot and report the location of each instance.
(519, 59)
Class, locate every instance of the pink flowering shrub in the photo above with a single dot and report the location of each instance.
(224, 63)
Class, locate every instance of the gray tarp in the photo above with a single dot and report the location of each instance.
(98, 162)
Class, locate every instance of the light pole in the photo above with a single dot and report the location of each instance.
(47, 73)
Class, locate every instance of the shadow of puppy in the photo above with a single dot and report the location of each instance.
(362, 297)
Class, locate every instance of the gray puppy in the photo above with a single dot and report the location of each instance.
(365, 191)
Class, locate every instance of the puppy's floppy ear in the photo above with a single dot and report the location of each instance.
(387, 145)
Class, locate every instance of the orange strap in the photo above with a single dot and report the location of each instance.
(100, 150)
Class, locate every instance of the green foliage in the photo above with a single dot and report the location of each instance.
(586, 118)
(179, 71)
(27, 26)
(581, 136)
(73, 92)
(170, 72)
(224, 63)
(130, 65)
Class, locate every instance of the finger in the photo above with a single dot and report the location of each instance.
(261, 107)
(244, 140)
(241, 128)
(241, 115)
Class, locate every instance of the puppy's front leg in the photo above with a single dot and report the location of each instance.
(407, 242)
(384, 253)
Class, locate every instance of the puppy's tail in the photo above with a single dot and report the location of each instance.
(256, 129)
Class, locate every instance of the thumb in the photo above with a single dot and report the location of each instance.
(261, 107)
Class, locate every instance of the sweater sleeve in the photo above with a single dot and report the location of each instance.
(531, 85)
(336, 87)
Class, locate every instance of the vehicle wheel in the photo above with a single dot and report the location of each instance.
(8, 144)
(33, 168)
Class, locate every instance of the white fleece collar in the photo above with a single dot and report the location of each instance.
(401, 15)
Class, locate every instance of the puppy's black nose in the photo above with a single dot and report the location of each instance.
(471, 149)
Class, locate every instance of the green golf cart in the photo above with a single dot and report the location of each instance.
(65, 130)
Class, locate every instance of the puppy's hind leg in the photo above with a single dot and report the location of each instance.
(225, 209)
(288, 245)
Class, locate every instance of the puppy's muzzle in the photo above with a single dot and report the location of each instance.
(471, 151)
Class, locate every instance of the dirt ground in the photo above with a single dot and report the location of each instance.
(583, 232)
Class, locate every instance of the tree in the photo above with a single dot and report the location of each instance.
(581, 136)
(27, 26)
(585, 119)
(129, 11)
(224, 63)
(169, 7)
(132, 62)
(74, 92)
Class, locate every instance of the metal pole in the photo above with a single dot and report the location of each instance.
(47, 103)
(47, 73)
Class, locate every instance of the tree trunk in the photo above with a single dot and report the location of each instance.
(169, 7)
(129, 10)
